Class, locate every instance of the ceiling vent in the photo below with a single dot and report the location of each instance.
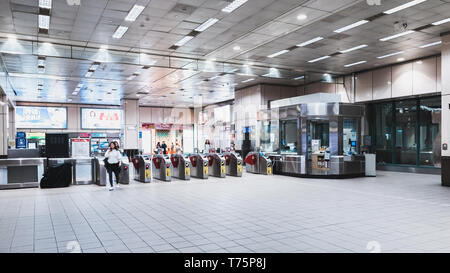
(185, 9)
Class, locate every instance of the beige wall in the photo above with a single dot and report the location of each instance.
(166, 115)
(402, 80)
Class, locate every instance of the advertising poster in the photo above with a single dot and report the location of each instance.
(31, 117)
(107, 119)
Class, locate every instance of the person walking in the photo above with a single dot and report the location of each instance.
(114, 158)
(164, 147)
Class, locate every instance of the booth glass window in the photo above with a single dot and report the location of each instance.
(405, 130)
(320, 134)
(430, 132)
(288, 136)
(414, 126)
(350, 138)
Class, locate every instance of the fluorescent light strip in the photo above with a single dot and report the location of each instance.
(134, 13)
(120, 31)
(94, 67)
(89, 74)
(299, 78)
(319, 59)
(44, 21)
(207, 24)
(249, 80)
(278, 53)
(353, 48)
(234, 5)
(404, 6)
(184, 40)
(432, 44)
(441, 22)
(397, 35)
(392, 54)
(310, 42)
(45, 4)
(357, 24)
(353, 64)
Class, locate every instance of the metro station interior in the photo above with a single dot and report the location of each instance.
(224, 126)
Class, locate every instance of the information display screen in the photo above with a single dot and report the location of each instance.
(34, 117)
(107, 119)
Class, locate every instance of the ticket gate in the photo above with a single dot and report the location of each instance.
(216, 165)
(181, 166)
(142, 168)
(124, 176)
(162, 167)
(233, 164)
(258, 163)
(99, 171)
(199, 166)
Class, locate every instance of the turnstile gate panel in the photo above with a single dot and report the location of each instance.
(233, 164)
(181, 166)
(199, 166)
(216, 165)
(124, 176)
(258, 163)
(99, 171)
(142, 168)
(162, 167)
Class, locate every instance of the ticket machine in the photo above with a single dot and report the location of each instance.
(233, 164)
(142, 168)
(162, 167)
(258, 163)
(199, 166)
(216, 165)
(181, 166)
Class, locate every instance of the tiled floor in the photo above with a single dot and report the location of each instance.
(394, 212)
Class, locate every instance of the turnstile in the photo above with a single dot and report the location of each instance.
(199, 166)
(100, 173)
(216, 165)
(124, 176)
(142, 168)
(162, 167)
(181, 166)
(233, 164)
(258, 163)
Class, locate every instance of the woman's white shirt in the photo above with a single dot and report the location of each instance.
(113, 156)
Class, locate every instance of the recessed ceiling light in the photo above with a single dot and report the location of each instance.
(45, 4)
(310, 42)
(431, 44)
(44, 21)
(89, 74)
(12, 37)
(353, 64)
(441, 22)
(299, 78)
(207, 24)
(390, 55)
(234, 5)
(400, 59)
(404, 6)
(419, 62)
(397, 35)
(357, 24)
(134, 13)
(278, 53)
(353, 48)
(236, 48)
(302, 17)
(249, 80)
(319, 59)
(120, 31)
(184, 40)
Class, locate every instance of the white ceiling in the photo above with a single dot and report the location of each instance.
(260, 28)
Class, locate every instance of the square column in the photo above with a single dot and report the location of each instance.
(131, 126)
(445, 110)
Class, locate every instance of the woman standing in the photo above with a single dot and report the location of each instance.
(114, 158)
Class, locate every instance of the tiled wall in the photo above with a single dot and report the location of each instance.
(402, 80)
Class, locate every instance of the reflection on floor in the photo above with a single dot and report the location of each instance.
(394, 212)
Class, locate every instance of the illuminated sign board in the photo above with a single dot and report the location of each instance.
(107, 119)
(33, 117)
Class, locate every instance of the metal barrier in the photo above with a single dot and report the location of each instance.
(257, 163)
(124, 176)
(142, 168)
(216, 165)
(199, 166)
(99, 171)
(233, 164)
(162, 167)
(181, 166)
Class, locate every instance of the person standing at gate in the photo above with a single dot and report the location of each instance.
(114, 158)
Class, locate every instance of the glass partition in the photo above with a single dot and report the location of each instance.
(430, 132)
(350, 137)
(288, 136)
